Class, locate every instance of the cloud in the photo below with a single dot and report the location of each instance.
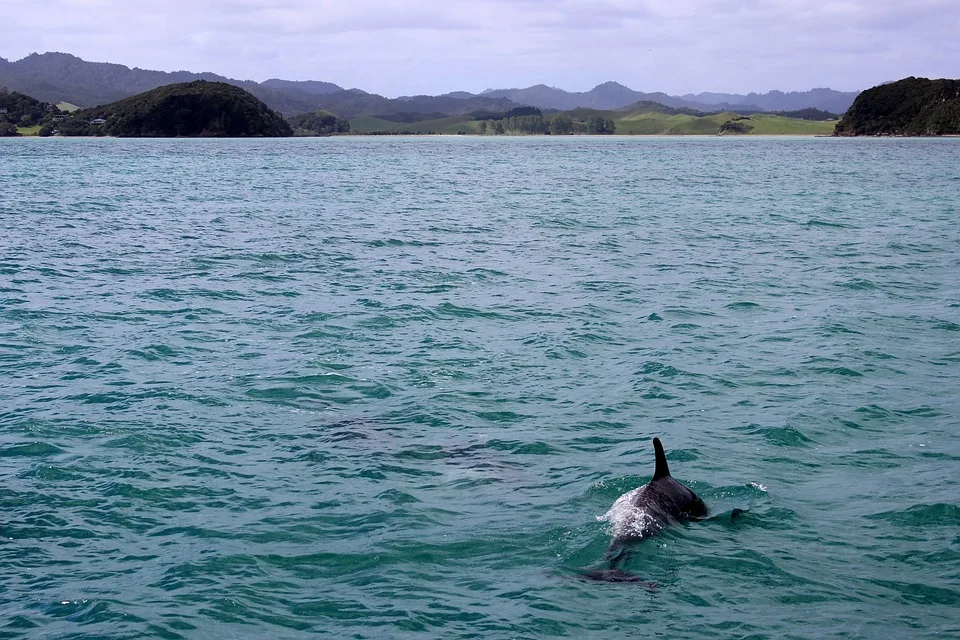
(430, 46)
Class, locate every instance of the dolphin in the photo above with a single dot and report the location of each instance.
(645, 512)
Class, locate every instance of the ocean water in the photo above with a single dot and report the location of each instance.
(384, 387)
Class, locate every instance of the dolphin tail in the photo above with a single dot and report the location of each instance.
(616, 575)
(662, 470)
(616, 554)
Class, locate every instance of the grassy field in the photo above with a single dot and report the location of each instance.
(765, 124)
(66, 106)
(656, 123)
(28, 131)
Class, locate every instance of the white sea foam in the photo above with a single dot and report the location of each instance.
(628, 520)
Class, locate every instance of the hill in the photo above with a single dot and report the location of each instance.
(673, 122)
(18, 110)
(192, 109)
(61, 77)
(354, 103)
(908, 107)
(312, 87)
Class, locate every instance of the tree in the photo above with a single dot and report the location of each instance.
(75, 126)
(318, 123)
(523, 111)
(561, 125)
(598, 125)
(736, 126)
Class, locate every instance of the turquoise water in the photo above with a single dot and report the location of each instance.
(382, 388)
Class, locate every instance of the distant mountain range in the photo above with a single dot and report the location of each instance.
(61, 77)
(613, 95)
(823, 99)
(609, 95)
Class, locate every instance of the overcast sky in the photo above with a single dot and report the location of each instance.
(433, 46)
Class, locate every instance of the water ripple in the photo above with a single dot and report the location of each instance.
(382, 387)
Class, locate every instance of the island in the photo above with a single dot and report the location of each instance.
(186, 109)
(908, 107)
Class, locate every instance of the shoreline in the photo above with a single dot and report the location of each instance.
(619, 136)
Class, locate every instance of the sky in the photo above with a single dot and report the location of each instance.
(432, 46)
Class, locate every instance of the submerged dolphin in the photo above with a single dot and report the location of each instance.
(645, 512)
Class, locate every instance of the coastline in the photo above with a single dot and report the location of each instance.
(473, 136)
(453, 135)
(476, 136)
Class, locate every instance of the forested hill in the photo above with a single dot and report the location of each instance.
(192, 109)
(908, 107)
(17, 109)
(61, 77)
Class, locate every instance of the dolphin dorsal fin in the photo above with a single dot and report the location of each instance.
(662, 470)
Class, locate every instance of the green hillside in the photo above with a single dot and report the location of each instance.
(22, 110)
(656, 123)
(188, 109)
(766, 124)
(908, 107)
(648, 122)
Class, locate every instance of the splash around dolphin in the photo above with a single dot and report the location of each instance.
(645, 512)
